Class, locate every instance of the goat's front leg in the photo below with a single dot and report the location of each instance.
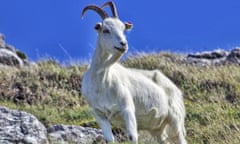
(128, 113)
(105, 126)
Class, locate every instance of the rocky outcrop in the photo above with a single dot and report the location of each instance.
(11, 56)
(216, 57)
(18, 127)
(234, 56)
(21, 128)
(64, 134)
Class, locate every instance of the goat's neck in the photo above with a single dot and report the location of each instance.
(102, 60)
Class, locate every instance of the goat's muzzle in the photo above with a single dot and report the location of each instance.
(122, 49)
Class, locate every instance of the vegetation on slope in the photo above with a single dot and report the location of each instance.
(52, 93)
(211, 96)
(48, 90)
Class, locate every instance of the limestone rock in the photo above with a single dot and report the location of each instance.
(234, 56)
(216, 54)
(11, 56)
(216, 57)
(64, 134)
(17, 127)
(7, 57)
(2, 41)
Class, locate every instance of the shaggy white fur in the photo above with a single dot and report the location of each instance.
(130, 98)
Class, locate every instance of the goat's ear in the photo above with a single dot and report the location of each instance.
(98, 26)
(128, 25)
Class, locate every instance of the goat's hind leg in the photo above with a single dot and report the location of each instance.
(159, 134)
(176, 132)
(161, 137)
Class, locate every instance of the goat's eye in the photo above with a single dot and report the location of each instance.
(106, 31)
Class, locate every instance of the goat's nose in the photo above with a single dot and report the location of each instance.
(123, 43)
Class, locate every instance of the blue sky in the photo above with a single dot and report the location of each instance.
(55, 28)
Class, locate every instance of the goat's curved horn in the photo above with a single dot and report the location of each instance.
(113, 8)
(95, 8)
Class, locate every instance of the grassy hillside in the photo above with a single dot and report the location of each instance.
(52, 93)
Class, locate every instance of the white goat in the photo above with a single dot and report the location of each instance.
(129, 98)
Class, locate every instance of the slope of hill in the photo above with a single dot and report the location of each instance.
(52, 93)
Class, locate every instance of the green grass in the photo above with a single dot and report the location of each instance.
(52, 93)
(50, 115)
(49, 91)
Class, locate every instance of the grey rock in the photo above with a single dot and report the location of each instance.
(234, 56)
(216, 57)
(196, 61)
(10, 58)
(18, 127)
(2, 41)
(65, 134)
(216, 54)
(11, 48)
